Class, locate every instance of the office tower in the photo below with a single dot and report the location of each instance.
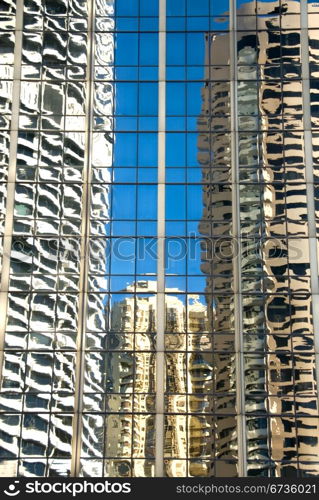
(158, 294)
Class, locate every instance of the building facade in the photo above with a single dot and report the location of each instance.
(159, 238)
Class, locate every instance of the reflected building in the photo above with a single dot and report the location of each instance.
(276, 303)
(214, 156)
(280, 309)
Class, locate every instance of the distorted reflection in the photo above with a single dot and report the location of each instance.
(275, 266)
(39, 366)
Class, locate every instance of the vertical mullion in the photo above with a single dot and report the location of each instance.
(160, 327)
(84, 256)
(313, 256)
(14, 133)
(240, 379)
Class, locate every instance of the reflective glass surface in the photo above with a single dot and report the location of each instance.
(39, 366)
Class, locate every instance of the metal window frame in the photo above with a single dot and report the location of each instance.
(11, 183)
(160, 336)
(84, 256)
(240, 393)
(312, 230)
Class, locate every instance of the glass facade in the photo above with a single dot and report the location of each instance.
(159, 238)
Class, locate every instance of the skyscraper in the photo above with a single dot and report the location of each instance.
(159, 312)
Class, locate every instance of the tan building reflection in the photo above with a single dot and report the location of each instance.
(280, 388)
(281, 408)
(190, 380)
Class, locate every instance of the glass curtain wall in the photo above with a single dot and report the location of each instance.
(200, 425)
(40, 343)
(118, 436)
(275, 225)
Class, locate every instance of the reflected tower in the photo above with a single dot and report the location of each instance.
(214, 156)
(277, 325)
